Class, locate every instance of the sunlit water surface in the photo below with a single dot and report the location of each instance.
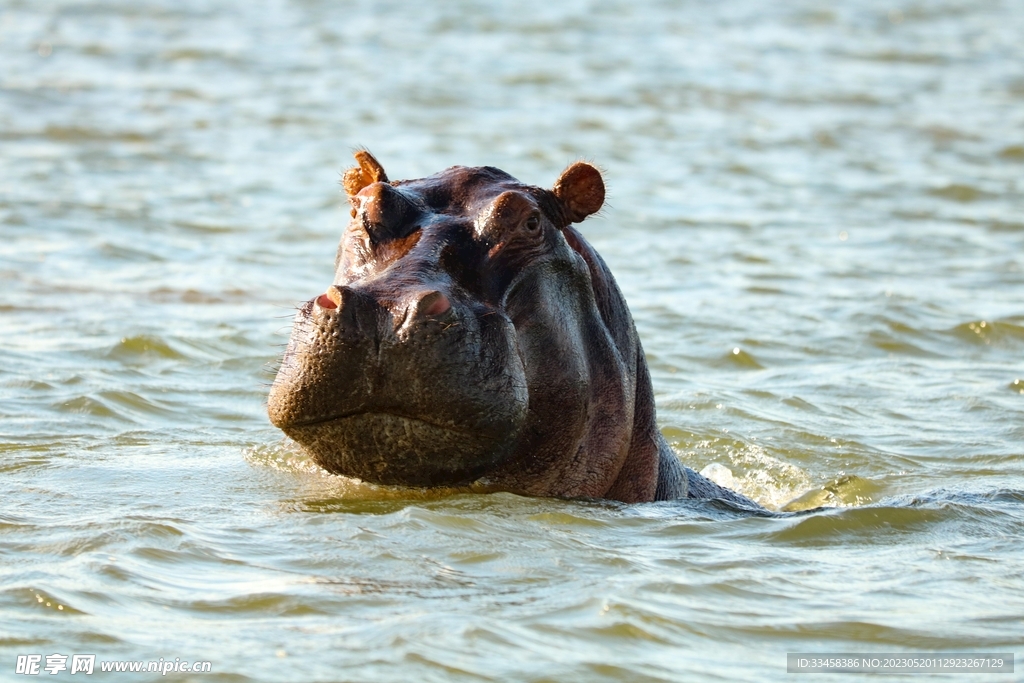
(816, 213)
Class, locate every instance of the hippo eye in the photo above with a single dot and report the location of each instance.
(533, 223)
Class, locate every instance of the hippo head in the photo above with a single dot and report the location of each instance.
(469, 333)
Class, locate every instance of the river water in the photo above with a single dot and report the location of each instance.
(816, 212)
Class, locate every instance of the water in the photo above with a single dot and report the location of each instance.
(814, 211)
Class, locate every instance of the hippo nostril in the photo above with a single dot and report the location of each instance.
(434, 303)
(330, 299)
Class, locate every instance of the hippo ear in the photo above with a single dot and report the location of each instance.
(581, 189)
(368, 172)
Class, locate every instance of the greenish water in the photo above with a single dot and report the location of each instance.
(815, 211)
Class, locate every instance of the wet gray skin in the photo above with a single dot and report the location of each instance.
(472, 334)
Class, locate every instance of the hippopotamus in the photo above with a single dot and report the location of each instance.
(472, 335)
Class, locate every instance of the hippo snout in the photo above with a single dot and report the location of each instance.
(405, 386)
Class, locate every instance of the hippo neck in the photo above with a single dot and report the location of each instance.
(637, 479)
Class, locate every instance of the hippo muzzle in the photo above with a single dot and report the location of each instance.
(412, 385)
